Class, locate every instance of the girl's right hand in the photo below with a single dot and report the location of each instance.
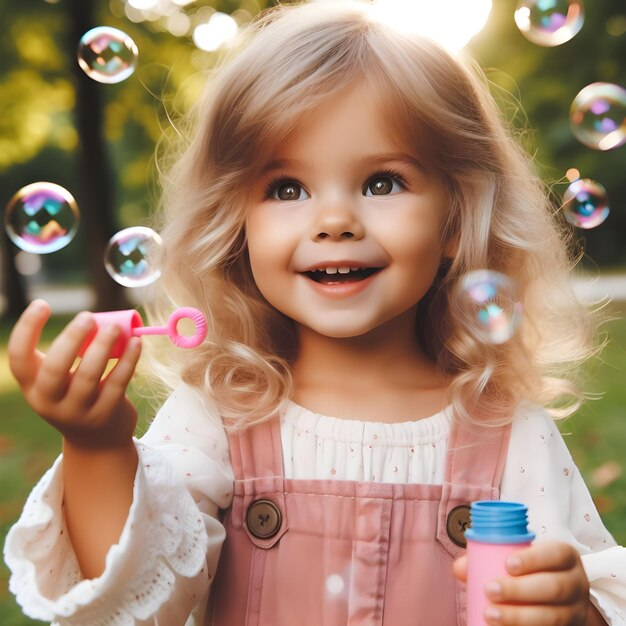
(89, 410)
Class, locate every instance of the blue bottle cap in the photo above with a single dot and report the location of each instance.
(498, 521)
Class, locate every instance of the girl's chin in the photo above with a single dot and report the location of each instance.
(336, 330)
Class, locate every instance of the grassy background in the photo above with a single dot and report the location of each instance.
(596, 436)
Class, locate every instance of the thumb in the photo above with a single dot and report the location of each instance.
(459, 568)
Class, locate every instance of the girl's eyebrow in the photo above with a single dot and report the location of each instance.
(281, 164)
(386, 157)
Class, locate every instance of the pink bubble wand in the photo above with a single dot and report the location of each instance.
(131, 325)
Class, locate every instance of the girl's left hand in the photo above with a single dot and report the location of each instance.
(547, 586)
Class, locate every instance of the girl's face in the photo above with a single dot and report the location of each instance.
(344, 228)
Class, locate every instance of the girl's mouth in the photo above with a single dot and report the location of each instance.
(335, 276)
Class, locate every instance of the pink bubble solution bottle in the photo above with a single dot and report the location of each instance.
(498, 529)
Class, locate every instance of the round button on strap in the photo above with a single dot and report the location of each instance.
(457, 523)
(263, 519)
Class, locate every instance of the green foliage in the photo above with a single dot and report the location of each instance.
(36, 93)
(546, 80)
(598, 431)
(38, 136)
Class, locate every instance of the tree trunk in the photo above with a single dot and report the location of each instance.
(13, 287)
(95, 187)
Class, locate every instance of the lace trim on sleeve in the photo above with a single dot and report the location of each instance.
(165, 537)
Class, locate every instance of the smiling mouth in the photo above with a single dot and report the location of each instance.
(341, 275)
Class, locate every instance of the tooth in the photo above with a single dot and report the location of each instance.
(354, 269)
(344, 270)
(331, 270)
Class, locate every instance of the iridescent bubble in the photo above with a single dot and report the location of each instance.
(585, 204)
(133, 256)
(598, 116)
(549, 22)
(107, 55)
(487, 304)
(41, 218)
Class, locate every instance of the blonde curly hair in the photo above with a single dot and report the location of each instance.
(500, 217)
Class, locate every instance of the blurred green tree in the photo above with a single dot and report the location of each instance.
(97, 140)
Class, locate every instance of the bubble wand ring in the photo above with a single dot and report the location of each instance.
(171, 328)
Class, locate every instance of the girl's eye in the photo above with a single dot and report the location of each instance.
(289, 190)
(383, 186)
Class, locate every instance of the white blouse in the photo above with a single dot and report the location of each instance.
(160, 571)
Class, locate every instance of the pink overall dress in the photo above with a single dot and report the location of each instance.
(337, 553)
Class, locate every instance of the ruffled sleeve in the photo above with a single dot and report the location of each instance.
(540, 472)
(161, 568)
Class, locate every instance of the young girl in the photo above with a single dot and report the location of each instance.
(315, 462)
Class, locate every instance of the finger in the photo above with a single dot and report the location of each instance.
(24, 358)
(544, 556)
(542, 588)
(53, 377)
(459, 568)
(115, 384)
(85, 383)
(503, 615)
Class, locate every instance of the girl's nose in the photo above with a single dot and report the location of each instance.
(337, 221)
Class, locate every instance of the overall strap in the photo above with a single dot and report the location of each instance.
(256, 451)
(474, 465)
(257, 460)
(476, 456)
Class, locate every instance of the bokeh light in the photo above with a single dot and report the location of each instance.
(549, 22)
(213, 34)
(598, 116)
(41, 218)
(143, 5)
(133, 257)
(450, 22)
(178, 24)
(585, 204)
(572, 174)
(616, 25)
(27, 263)
(487, 305)
(107, 55)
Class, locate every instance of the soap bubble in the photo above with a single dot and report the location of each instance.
(335, 584)
(133, 256)
(585, 204)
(107, 55)
(337, 587)
(41, 218)
(549, 22)
(487, 304)
(598, 116)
